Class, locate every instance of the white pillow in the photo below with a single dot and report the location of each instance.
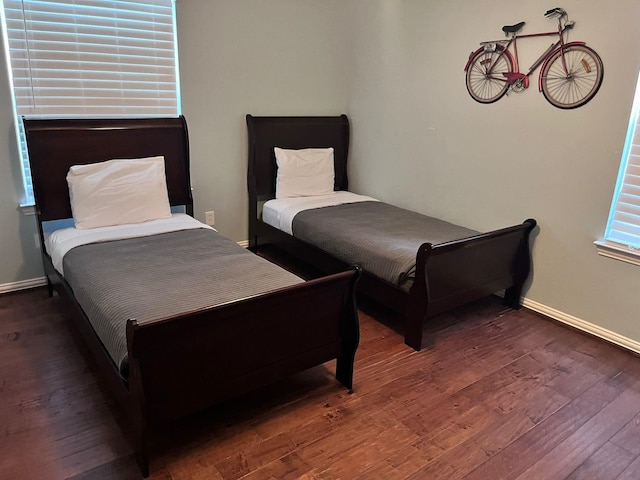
(303, 173)
(118, 192)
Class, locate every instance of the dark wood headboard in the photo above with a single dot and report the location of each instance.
(57, 144)
(265, 133)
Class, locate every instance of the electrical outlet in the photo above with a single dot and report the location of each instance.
(209, 218)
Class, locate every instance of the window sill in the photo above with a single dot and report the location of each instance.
(28, 209)
(618, 252)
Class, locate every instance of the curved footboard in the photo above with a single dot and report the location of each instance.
(454, 273)
(183, 364)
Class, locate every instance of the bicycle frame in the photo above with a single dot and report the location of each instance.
(571, 73)
(513, 77)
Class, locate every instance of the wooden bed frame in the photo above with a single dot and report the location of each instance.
(183, 364)
(447, 274)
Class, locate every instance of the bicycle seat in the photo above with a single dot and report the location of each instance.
(513, 28)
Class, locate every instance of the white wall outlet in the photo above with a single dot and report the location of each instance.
(210, 218)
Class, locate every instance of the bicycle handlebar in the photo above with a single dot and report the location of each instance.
(560, 12)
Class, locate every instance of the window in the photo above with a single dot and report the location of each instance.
(90, 58)
(622, 235)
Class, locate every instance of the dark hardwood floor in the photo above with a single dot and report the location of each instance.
(497, 394)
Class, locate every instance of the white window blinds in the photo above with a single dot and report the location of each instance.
(92, 58)
(622, 235)
(624, 219)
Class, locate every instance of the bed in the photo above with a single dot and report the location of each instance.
(446, 268)
(178, 351)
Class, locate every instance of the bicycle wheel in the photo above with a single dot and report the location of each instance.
(485, 80)
(575, 86)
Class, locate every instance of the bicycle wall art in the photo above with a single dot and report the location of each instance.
(570, 75)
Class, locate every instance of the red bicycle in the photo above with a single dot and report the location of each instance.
(570, 76)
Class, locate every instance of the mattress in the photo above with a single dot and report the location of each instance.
(162, 275)
(58, 242)
(383, 239)
(280, 212)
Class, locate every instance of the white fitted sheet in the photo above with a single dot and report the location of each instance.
(279, 213)
(59, 242)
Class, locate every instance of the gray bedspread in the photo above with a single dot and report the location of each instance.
(381, 238)
(160, 276)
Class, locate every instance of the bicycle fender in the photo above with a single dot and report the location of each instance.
(551, 54)
(473, 54)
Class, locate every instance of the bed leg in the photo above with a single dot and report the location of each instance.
(140, 444)
(413, 334)
(415, 316)
(513, 294)
(138, 410)
(344, 372)
(142, 457)
(350, 334)
(512, 297)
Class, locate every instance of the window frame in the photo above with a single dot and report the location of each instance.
(612, 245)
(168, 101)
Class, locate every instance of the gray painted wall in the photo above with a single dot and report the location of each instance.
(279, 57)
(19, 256)
(418, 140)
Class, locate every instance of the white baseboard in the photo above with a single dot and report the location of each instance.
(22, 285)
(244, 243)
(583, 325)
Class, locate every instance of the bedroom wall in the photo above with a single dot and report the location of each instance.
(420, 141)
(280, 57)
(20, 263)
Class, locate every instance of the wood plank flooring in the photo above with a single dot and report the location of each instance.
(496, 394)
